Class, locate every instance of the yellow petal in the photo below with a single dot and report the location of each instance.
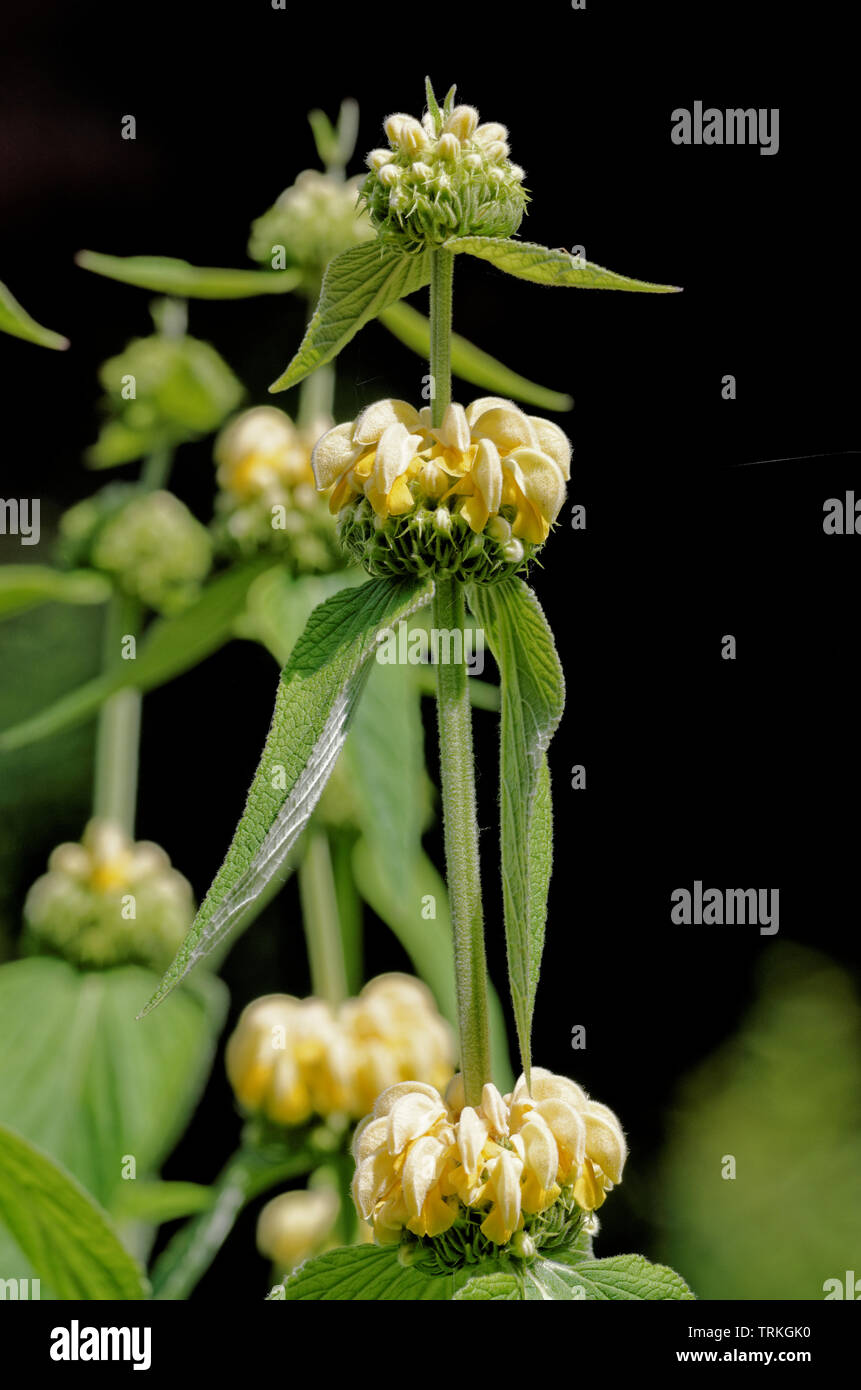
(494, 1109)
(372, 1179)
(553, 441)
(400, 499)
(507, 426)
(605, 1145)
(487, 475)
(482, 404)
(588, 1189)
(471, 1139)
(387, 1100)
(453, 433)
(410, 1117)
(547, 1085)
(423, 1168)
(542, 1154)
(376, 418)
(396, 449)
(370, 1135)
(333, 455)
(569, 1130)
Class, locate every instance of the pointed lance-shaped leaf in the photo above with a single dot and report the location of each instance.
(543, 265)
(316, 698)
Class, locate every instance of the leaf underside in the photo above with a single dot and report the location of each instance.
(545, 265)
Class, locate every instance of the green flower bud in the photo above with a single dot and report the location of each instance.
(149, 543)
(442, 179)
(160, 392)
(108, 901)
(314, 220)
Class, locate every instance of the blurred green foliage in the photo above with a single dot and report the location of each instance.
(783, 1097)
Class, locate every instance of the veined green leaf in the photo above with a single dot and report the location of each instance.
(469, 362)
(358, 285)
(363, 1272)
(112, 1089)
(15, 320)
(549, 266)
(166, 275)
(622, 1277)
(561, 1280)
(169, 647)
(25, 586)
(532, 696)
(316, 698)
(66, 1238)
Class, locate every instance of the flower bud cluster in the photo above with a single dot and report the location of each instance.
(267, 500)
(148, 542)
(445, 175)
(291, 1059)
(473, 498)
(315, 219)
(517, 1171)
(109, 901)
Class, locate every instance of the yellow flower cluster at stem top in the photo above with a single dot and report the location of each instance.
(290, 1059)
(423, 1159)
(501, 469)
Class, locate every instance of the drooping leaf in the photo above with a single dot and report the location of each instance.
(363, 1272)
(169, 647)
(469, 362)
(167, 275)
(25, 586)
(66, 1238)
(532, 699)
(316, 699)
(15, 320)
(155, 1202)
(82, 1079)
(545, 265)
(357, 285)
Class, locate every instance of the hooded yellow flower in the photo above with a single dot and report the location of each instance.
(424, 1160)
(482, 461)
(294, 1225)
(261, 451)
(290, 1059)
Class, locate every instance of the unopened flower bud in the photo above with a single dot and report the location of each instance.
(462, 122)
(422, 171)
(393, 125)
(377, 158)
(496, 150)
(411, 137)
(489, 132)
(513, 551)
(448, 146)
(294, 1225)
(389, 175)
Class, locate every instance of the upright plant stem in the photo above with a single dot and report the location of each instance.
(457, 766)
(442, 277)
(320, 917)
(115, 780)
(457, 771)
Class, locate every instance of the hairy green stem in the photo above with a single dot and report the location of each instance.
(319, 900)
(189, 1254)
(441, 285)
(457, 772)
(316, 397)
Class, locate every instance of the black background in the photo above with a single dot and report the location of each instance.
(736, 773)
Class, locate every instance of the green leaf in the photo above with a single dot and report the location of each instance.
(90, 1085)
(358, 285)
(532, 696)
(26, 586)
(315, 703)
(65, 1237)
(622, 1277)
(166, 275)
(432, 105)
(545, 266)
(15, 320)
(469, 362)
(169, 647)
(157, 1202)
(500, 1287)
(363, 1272)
